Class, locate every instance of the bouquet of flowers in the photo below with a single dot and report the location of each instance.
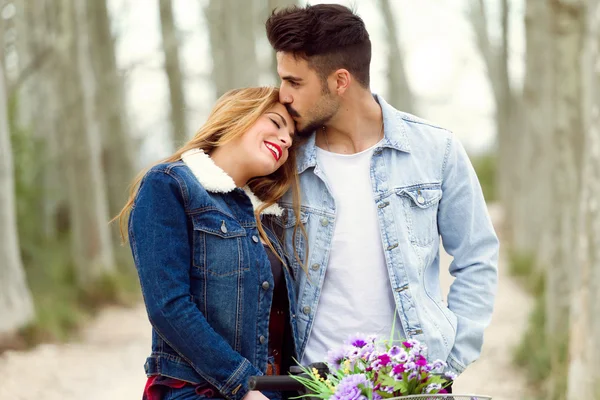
(366, 368)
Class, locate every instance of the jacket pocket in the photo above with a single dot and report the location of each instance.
(420, 209)
(219, 244)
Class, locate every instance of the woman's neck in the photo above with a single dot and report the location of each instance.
(231, 165)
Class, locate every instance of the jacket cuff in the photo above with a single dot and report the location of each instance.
(236, 386)
(454, 365)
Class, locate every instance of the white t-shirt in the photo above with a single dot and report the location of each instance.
(356, 296)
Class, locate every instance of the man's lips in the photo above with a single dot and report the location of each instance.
(275, 150)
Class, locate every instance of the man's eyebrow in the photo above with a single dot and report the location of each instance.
(280, 116)
(291, 78)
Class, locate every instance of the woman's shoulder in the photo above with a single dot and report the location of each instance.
(174, 175)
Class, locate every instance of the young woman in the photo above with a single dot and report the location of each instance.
(214, 277)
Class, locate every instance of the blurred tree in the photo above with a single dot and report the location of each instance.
(80, 144)
(173, 69)
(567, 136)
(232, 41)
(584, 335)
(399, 94)
(496, 58)
(37, 66)
(272, 5)
(532, 233)
(118, 152)
(16, 305)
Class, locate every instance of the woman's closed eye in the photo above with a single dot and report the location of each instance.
(275, 122)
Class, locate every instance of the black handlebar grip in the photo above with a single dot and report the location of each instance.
(274, 382)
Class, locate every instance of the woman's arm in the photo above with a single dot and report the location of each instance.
(160, 243)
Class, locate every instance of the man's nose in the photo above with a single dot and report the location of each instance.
(285, 98)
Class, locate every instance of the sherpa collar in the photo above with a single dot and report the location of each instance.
(215, 180)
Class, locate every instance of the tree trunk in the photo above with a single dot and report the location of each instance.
(232, 40)
(272, 5)
(399, 93)
(584, 338)
(38, 75)
(16, 305)
(496, 60)
(567, 137)
(118, 153)
(531, 233)
(173, 70)
(80, 143)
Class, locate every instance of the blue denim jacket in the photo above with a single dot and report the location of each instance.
(206, 279)
(424, 187)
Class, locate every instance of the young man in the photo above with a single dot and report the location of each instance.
(379, 188)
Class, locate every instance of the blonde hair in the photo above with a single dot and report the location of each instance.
(233, 115)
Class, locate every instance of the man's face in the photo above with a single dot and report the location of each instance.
(308, 100)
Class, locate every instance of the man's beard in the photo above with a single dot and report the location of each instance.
(312, 126)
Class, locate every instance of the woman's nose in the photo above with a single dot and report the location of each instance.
(285, 140)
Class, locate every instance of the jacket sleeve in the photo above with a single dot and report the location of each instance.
(160, 242)
(467, 235)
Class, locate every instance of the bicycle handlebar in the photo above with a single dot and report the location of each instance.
(284, 382)
(274, 382)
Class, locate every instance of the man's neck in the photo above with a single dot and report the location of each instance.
(357, 126)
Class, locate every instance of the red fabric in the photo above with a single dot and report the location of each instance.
(157, 386)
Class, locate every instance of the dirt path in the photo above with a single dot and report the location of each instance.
(107, 362)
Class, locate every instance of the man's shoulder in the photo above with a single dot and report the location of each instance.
(418, 128)
(413, 133)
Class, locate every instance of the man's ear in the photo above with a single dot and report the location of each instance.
(343, 78)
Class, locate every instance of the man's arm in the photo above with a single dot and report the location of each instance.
(467, 235)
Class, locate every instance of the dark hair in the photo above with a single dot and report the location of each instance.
(328, 36)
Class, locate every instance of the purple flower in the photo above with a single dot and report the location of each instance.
(377, 365)
(395, 351)
(421, 361)
(450, 375)
(335, 357)
(438, 365)
(407, 344)
(433, 388)
(413, 375)
(357, 340)
(384, 359)
(348, 388)
(402, 357)
(397, 371)
(388, 389)
(410, 366)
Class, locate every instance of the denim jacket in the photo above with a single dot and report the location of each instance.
(206, 279)
(424, 187)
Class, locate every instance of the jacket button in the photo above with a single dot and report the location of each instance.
(315, 267)
(265, 285)
(324, 221)
(262, 339)
(255, 238)
(306, 310)
(223, 227)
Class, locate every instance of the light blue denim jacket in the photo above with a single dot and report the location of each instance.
(424, 187)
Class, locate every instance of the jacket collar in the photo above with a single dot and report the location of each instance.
(215, 180)
(394, 135)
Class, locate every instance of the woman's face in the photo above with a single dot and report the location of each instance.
(264, 147)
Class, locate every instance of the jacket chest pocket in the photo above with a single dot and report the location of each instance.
(420, 206)
(220, 247)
